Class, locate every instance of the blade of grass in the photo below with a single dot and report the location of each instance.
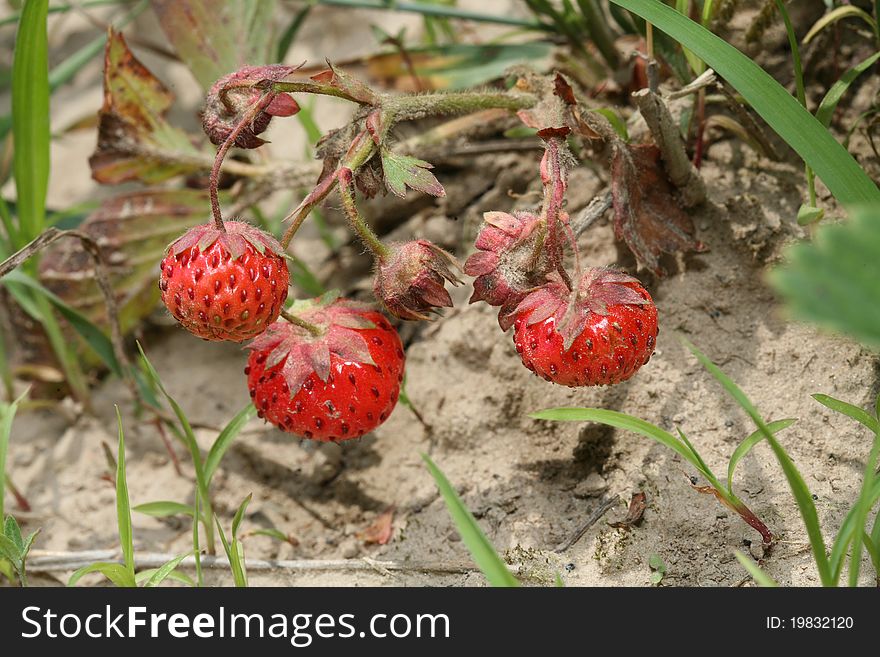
(224, 440)
(123, 507)
(846, 11)
(30, 117)
(624, 421)
(839, 88)
(165, 570)
(176, 575)
(197, 551)
(481, 549)
(816, 146)
(854, 412)
(163, 509)
(115, 572)
(745, 447)
(761, 578)
(192, 445)
(795, 480)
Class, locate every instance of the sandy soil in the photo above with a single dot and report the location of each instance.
(530, 483)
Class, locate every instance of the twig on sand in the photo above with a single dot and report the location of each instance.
(47, 561)
(592, 520)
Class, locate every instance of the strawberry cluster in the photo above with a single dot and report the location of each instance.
(331, 369)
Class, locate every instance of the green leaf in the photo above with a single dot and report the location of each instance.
(402, 171)
(271, 532)
(290, 32)
(224, 440)
(232, 555)
(809, 138)
(165, 570)
(12, 531)
(614, 119)
(30, 117)
(144, 576)
(761, 578)
(9, 551)
(93, 336)
(115, 572)
(164, 509)
(795, 480)
(655, 561)
(482, 551)
(216, 37)
(197, 550)
(832, 281)
(846, 11)
(839, 88)
(123, 508)
(746, 446)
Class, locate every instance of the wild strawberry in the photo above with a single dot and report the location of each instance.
(233, 95)
(224, 285)
(598, 334)
(335, 378)
(410, 279)
(510, 260)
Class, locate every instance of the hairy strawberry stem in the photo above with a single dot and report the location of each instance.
(308, 326)
(214, 181)
(368, 237)
(362, 149)
(553, 178)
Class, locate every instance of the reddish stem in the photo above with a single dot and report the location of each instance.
(245, 121)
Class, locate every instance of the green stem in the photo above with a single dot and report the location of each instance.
(406, 108)
(368, 237)
(310, 87)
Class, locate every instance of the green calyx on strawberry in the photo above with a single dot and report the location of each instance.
(410, 279)
(599, 333)
(335, 377)
(224, 285)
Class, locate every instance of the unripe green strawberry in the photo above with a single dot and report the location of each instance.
(224, 285)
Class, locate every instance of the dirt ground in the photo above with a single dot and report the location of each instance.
(530, 483)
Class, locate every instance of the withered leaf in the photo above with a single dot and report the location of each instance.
(133, 231)
(380, 530)
(135, 142)
(637, 505)
(647, 215)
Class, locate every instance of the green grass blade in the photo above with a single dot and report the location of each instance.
(623, 421)
(809, 138)
(144, 576)
(239, 515)
(845, 534)
(11, 552)
(761, 578)
(123, 505)
(191, 443)
(482, 551)
(163, 509)
(165, 570)
(862, 509)
(745, 447)
(197, 550)
(846, 11)
(795, 480)
(30, 117)
(290, 32)
(224, 440)
(7, 415)
(232, 554)
(858, 414)
(703, 467)
(839, 88)
(115, 572)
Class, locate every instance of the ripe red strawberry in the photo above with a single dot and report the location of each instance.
(225, 286)
(333, 383)
(598, 334)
